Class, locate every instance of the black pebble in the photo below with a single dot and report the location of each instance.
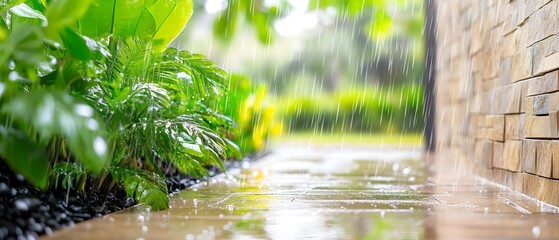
(27, 213)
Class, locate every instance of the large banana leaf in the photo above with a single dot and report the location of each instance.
(158, 20)
(51, 114)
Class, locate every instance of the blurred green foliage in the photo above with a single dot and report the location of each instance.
(250, 107)
(366, 109)
(379, 17)
(374, 44)
(91, 97)
(254, 12)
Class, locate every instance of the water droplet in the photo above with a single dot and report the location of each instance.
(195, 202)
(92, 124)
(145, 229)
(536, 231)
(406, 171)
(13, 76)
(100, 146)
(395, 167)
(230, 208)
(148, 209)
(83, 110)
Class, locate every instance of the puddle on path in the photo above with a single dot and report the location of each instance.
(332, 194)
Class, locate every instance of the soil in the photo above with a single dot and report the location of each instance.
(27, 213)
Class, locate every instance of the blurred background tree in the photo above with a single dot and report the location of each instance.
(330, 64)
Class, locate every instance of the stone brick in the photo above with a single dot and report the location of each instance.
(498, 160)
(528, 160)
(544, 84)
(538, 127)
(542, 51)
(544, 189)
(543, 158)
(521, 67)
(554, 101)
(541, 104)
(511, 155)
(511, 97)
(512, 127)
(555, 159)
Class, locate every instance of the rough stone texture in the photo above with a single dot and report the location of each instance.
(508, 51)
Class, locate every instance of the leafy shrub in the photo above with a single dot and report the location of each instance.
(90, 98)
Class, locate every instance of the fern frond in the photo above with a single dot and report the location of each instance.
(71, 174)
(199, 73)
(145, 187)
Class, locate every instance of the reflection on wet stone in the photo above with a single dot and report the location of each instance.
(330, 193)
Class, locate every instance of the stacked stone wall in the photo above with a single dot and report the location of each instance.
(498, 90)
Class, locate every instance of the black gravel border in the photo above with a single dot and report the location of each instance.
(27, 213)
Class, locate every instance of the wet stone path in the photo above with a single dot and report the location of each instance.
(334, 193)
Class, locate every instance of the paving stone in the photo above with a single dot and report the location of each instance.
(335, 193)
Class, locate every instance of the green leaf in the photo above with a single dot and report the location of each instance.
(23, 10)
(64, 13)
(170, 17)
(120, 17)
(52, 114)
(76, 45)
(23, 46)
(193, 149)
(233, 149)
(24, 156)
(144, 186)
(159, 21)
(214, 157)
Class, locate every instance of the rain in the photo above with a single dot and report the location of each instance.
(293, 119)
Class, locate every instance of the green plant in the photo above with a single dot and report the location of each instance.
(41, 122)
(249, 106)
(94, 103)
(360, 110)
